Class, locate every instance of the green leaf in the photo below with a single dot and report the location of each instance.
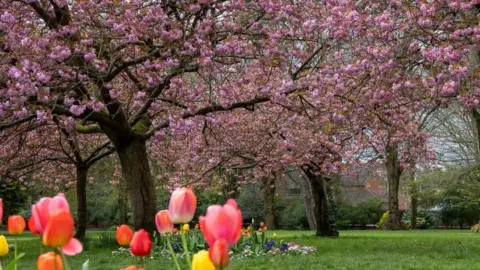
(85, 265)
(12, 264)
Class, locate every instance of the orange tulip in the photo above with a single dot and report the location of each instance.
(175, 230)
(218, 253)
(183, 203)
(141, 244)
(59, 230)
(262, 224)
(49, 261)
(124, 235)
(16, 225)
(163, 222)
(132, 267)
(31, 226)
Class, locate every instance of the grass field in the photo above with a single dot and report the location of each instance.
(432, 249)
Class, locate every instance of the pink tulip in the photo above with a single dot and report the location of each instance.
(222, 222)
(183, 203)
(164, 222)
(43, 210)
(1, 210)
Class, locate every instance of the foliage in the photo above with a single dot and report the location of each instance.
(425, 218)
(15, 197)
(364, 213)
(249, 202)
(475, 228)
(382, 221)
(293, 215)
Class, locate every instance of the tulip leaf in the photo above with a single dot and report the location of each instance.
(11, 265)
(85, 265)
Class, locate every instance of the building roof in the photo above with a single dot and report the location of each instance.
(357, 196)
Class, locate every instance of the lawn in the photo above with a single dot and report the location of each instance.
(433, 249)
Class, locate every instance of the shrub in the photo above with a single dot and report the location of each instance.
(425, 219)
(475, 228)
(367, 212)
(293, 216)
(382, 221)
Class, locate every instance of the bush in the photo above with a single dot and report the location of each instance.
(293, 216)
(425, 219)
(382, 221)
(475, 228)
(368, 212)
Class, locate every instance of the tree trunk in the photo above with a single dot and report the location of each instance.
(122, 202)
(139, 183)
(82, 174)
(320, 200)
(394, 171)
(269, 202)
(307, 195)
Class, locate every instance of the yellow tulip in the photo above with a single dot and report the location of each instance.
(201, 261)
(3, 246)
(274, 235)
(186, 227)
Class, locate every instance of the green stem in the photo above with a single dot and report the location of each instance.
(185, 249)
(1, 263)
(15, 250)
(64, 259)
(41, 246)
(173, 253)
(142, 261)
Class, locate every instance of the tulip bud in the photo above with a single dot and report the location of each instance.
(124, 235)
(219, 253)
(186, 227)
(3, 246)
(183, 203)
(201, 261)
(163, 222)
(132, 267)
(49, 261)
(141, 244)
(16, 225)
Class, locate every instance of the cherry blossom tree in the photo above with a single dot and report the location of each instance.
(134, 70)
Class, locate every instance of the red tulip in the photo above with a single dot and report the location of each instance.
(222, 222)
(16, 225)
(218, 253)
(49, 261)
(31, 226)
(183, 203)
(132, 267)
(124, 235)
(141, 244)
(163, 222)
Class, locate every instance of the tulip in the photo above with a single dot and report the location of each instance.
(175, 230)
(262, 224)
(40, 213)
(222, 222)
(218, 253)
(3, 246)
(16, 225)
(31, 226)
(186, 227)
(183, 203)
(163, 222)
(201, 261)
(132, 267)
(49, 261)
(274, 235)
(1, 211)
(141, 244)
(59, 229)
(124, 235)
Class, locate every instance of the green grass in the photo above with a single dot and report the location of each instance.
(353, 250)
